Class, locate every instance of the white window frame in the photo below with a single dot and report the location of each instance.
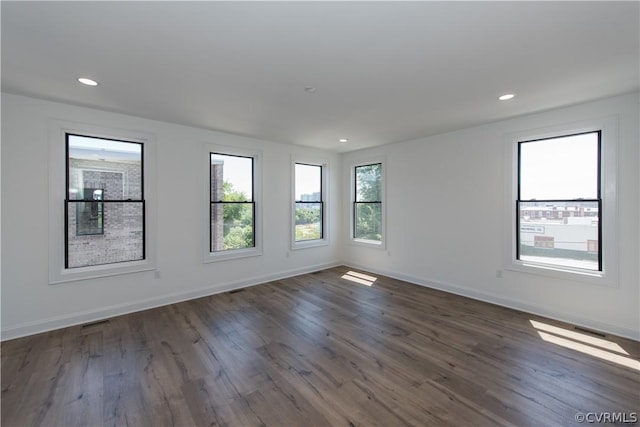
(324, 164)
(209, 256)
(58, 129)
(352, 185)
(609, 217)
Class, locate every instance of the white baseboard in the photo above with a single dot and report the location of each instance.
(78, 318)
(505, 302)
(32, 328)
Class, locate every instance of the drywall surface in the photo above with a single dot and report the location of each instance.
(444, 217)
(445, 220)
(30, 304)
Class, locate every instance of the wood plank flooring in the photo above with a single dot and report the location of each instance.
(319, 350)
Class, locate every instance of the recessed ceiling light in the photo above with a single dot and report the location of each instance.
(506, 96)
(343, 140)
(88, 82)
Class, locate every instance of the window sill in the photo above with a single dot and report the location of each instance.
(231, 254)
(306, 244)
(94, 272)
(564, 273)
(377, 244)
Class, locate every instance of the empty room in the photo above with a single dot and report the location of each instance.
(320, 213)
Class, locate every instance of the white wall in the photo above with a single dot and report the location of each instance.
(431, 182)
(436, 184)
(30, 304)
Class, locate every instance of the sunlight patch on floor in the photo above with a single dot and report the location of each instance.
(360, 278)
(576, 336)
(596, 347)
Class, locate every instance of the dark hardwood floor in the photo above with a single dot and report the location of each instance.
(318, 350)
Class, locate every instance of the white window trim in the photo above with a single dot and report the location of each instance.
(609, 178)
(382, 244)
(209, 256)
(57, 192)
(295, 245)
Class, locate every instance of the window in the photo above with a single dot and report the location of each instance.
(570, 169)
(367, 203)
(232, 214)
(543, 241)
(560, 174)
(309, 211)
(101, 190)
(104, 206)
(232, 205)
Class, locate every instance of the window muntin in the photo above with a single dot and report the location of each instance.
(558, 206)
(309, 205)
(104, 206)
(367, 205)
(232, 204)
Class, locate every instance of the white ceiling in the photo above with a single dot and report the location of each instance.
(384, 71)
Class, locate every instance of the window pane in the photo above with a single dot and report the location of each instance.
(231, 226)
(231, 178)
(115, 167)
(308, 221)
(308, 183)
(89, 218)
(560, 233)
(369, 183)
(368, 221)
(121, 238)
(560, 168)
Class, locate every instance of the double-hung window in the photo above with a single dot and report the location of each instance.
(367, 226)
(562, 202)
(104, 205)
(232, 204)
(309, 209)
(559, 205)
(101, 201)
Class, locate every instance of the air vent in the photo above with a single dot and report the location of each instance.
(99, 322)
(597, 334)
